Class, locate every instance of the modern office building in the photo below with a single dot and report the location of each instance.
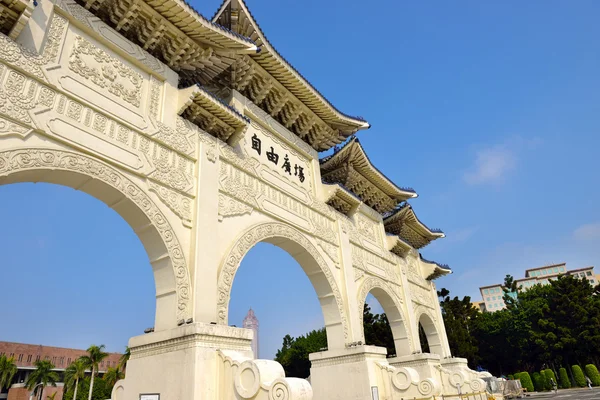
(492, 295)
(25, 356)
(251, 322)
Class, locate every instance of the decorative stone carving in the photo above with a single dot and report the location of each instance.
(331, 251)
(106, 71)
(8, 127)
(22, 160)
(251, 237)
(30, 61)
(229, 207)
(180, 204)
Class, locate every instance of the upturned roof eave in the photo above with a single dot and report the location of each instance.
(267, 50)
(407, 208)
(241, 42)
(400, 194)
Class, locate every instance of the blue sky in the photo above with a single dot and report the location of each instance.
(489, 110)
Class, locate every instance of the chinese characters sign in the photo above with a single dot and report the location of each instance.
(277, 156)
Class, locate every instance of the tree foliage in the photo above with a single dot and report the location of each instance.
(95, 354)
(8, 369)
(293, 355)
(44, 375)
(101, 390)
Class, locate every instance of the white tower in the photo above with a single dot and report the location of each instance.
(251, 322)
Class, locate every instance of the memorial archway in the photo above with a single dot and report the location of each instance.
(434, 340)
(393, 311)
(105, 183)
(310, 260)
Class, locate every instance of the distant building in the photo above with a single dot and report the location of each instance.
(479, 305)
(492, 295)
(26, 355)
(251, 322)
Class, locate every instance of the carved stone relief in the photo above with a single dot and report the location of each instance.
(30, 61)
(229, 207)
(21, 160)
(251, 237)
(106, 71)
(179, 203)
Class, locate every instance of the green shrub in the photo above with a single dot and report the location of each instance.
(565, 383)
(550, 375)
(578, 376)
(538, 382)
(526, 381)
(511, 377)
(592, 372)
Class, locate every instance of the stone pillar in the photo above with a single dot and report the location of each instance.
(355, 333)
(204, 253)
(346, 374)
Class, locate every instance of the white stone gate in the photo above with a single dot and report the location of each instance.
(205, 140)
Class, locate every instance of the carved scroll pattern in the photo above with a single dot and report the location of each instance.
(30, 159)
(107, 73)
(250, 238)
(30, 61)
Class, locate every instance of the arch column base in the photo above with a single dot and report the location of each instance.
(348, 373)
(180, 363)
(204, 362)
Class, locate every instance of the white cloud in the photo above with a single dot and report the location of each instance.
(587, 232)
(491, 165)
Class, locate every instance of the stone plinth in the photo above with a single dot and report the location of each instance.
(345, 374)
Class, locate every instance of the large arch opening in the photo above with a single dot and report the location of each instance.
(311, 262)
(374, 293)
(108, 185)
(429, 336)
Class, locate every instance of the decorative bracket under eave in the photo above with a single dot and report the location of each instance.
(398, 246)
(341, 199)
(211, 114)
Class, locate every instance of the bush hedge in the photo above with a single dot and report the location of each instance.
(538, 382)
(526, 381)
(592, 372)
(550, 375)
(565, 383)
(578, 376)
(511, 377)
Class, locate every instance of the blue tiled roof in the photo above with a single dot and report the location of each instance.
(353, 139)
(402, 206)
(290, 65)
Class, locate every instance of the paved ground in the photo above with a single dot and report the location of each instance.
(579, 394)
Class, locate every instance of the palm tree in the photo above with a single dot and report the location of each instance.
(125, 358)
(74, 373)
(91, 360)
(43, 375)
(112, 375)
(8, 369)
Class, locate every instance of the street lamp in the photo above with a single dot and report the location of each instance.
(33, 391)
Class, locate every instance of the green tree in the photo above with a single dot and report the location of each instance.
(125, 358)
(74, 372)
(293, 355)
(377, 330)
(8, 369)
(101, 390)
(510, 289)
(44, 375)
(459, 317)
(592, 372)
(95, 355)
(112, 375)
(578, 375)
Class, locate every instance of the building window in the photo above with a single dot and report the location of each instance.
(29, 358)
(544, 272)
(37, 358)
(486, 291)
(589, 273)
(61, 360)
(562, 269)
(555, 269)
(592, 281)
(20, 357)
(69, 361)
